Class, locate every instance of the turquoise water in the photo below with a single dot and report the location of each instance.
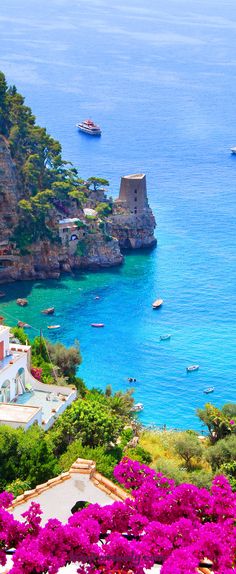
(160, 80)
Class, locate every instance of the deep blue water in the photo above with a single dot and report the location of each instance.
(160, 80)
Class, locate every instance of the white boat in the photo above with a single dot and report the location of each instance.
(137, 408)
(165, 337)
(192, 368)
(233, 150)
(157, 303)
(89, 127)
(208, 390)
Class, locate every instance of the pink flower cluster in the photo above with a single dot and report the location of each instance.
(177, 526)
(37, 373)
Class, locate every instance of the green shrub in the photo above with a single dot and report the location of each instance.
(172, 470)
(19, 334)
(229, 469)
(140, 454)
(81, 248)
(126, 435)
(224, 451)
(18, 486)
(105, 460)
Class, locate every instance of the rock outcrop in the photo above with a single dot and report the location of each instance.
(133, 231)
(47, 261)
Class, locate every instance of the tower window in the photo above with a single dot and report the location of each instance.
(135, 199)
(135, 191)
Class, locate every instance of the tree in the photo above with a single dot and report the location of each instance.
(79, 196)
(103, 209)
(122, 403)
(67, 359)
(189, 448)
(220, 423)
(8, 458)
(3, 104)
(91, 421)
(97, 182)
(35, 460)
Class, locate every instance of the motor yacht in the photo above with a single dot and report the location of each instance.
(89, 127)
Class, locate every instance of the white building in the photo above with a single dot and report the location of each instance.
(23, 399)
(14, 367)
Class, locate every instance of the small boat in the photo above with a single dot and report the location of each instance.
(97, 297)
(165, 337)
(209, 390)
(89, 127)
(23, 325)
(48, 311)
(2, 294)
(22, 302)
(233, 150)
(97, 325)
(192, 368)
(137, 408)
(157, 303)
(131, 380)
(54, 326)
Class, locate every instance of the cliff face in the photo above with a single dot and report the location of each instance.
(47, 261)
(9, 192)
(133, 231)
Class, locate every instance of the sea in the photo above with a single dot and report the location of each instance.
(160, 79)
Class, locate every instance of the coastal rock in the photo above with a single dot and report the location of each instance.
(99, 253)
(47, 261)
(133, 231)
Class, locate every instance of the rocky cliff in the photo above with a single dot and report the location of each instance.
(133, 231)
(47, 261)
(9, 191)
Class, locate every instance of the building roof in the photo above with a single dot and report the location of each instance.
(90, 212)
(81, 482)
(20, 414)
(4, 329)
(134, 176)
(68, 220)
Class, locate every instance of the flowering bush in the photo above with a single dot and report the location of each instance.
(177, 526)
(37, 373)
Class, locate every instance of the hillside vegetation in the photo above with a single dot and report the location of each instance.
(47, 186)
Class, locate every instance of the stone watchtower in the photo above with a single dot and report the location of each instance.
(133, 193)
(132, 221)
